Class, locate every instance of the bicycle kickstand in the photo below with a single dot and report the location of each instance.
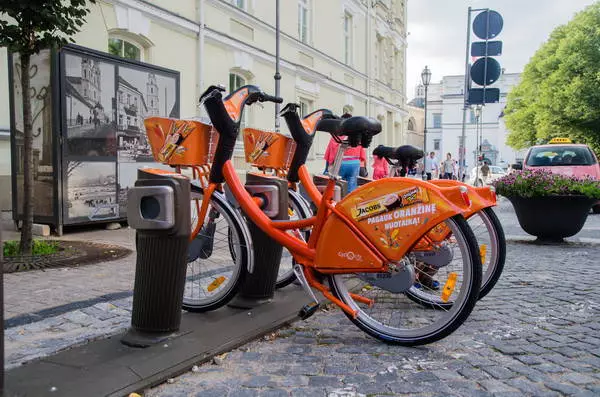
(311, 308)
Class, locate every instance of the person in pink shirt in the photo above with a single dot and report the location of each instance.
(353, 156)
(380, 167)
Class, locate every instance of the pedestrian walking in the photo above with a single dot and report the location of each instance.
(380, 167)
(448, 167)
(485, 172)
(430, 165)
(353, 156)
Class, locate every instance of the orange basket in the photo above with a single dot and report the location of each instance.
(181, 142)
(266, 149)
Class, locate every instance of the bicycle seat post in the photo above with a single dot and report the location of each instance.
(334, 171)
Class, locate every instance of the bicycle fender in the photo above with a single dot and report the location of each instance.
(394, 213)
(481, 197)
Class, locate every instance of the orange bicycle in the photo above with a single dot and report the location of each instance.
(481, 218)
(361, 245)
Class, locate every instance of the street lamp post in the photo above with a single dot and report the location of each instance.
(425, 79)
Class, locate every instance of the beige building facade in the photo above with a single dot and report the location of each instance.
(344, 55)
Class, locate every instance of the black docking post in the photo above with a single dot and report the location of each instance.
(259, 287)
(158, 208)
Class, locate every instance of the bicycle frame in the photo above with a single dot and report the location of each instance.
(343, 240)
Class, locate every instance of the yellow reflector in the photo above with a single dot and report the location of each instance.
(290, 212)
(560, 140)
(449, 287)
(215, 284)
(482, 252)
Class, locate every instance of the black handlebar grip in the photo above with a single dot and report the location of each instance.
(270, 98)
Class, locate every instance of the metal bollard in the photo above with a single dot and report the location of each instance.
(158, 207)
(259, 287)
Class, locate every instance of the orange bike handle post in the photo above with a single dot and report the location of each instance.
(309, 185)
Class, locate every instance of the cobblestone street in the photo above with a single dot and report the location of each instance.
(536, 333)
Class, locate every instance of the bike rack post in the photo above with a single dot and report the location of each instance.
(339, 191)
(259, 286)
(158, 207)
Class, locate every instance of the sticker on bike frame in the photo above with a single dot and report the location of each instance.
(394, 214)
(401, 199)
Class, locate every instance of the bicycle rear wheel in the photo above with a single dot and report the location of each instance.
(218, 257)
(397, 319)
(299, 209)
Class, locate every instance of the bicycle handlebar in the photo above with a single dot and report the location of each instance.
(269, 98)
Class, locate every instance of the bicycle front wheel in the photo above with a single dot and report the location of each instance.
(492, 247)
(397, 319)
(218, 256)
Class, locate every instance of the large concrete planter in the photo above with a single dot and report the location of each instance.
(552, 217)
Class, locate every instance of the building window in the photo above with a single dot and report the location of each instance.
(437, 120)
(240, 4)
(380, 60)
(472, 118)
(85, 92)
(235, 82)
(436, 144)
(305, 106)
(303, 20)
(347, 39)
(124, 49)
(411, 125)
(129, 99)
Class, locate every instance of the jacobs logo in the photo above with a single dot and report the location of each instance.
(364, 211)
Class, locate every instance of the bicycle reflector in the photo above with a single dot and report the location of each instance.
(464, 192)
(493, 191)
(449, 287)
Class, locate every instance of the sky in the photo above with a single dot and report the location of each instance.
(438, 28)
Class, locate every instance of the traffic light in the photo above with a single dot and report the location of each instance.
(485, 70)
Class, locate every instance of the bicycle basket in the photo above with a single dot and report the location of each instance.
(181, 142)
(266, 149)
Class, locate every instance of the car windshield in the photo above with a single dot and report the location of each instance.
(546, 156)
(496, 170)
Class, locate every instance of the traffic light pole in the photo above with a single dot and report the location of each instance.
(461, 149)
(462, 146)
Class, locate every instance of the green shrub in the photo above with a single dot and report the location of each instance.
(40, 247)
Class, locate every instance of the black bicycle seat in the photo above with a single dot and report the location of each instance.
(404, 153)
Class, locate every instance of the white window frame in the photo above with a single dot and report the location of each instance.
(304, 19)
(241, 4)
(244, 81)
(130, 41)
(348, 32)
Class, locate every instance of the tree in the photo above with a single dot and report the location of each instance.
(559, 93)
(27, 27)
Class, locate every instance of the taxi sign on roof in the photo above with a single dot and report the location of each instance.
(560, 140)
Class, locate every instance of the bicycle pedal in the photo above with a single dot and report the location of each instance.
(308, 310)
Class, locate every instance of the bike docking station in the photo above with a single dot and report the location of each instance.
(339, 191)
(259, 286)
(158, 208)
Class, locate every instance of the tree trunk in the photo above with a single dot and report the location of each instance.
(26, 230)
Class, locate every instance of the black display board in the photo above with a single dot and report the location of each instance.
(89, 138)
